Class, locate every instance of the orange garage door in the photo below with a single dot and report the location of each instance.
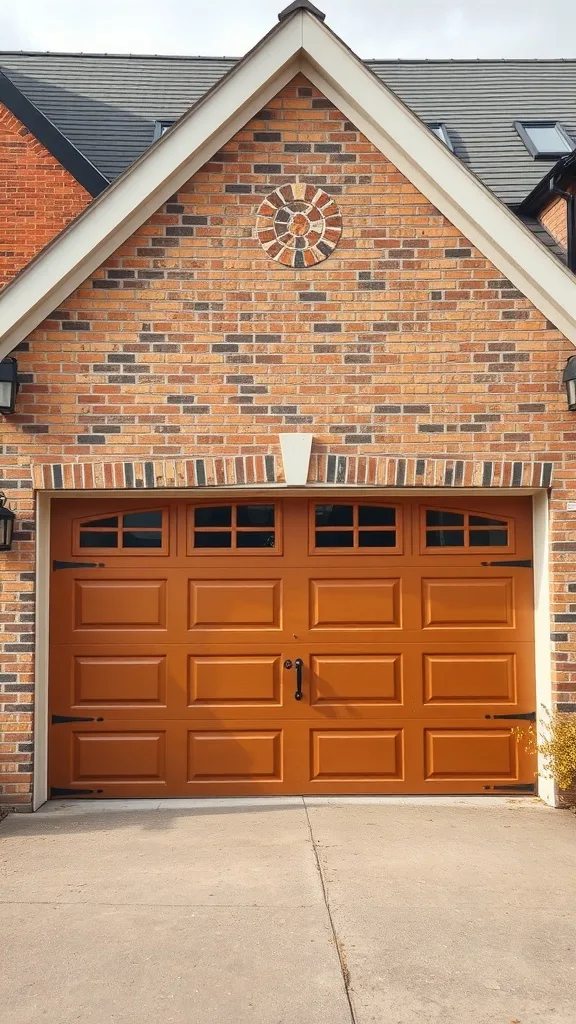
(290, 646)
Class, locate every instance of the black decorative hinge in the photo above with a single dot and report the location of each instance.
(77, 565)
(518, 563)
(520, 787)
(60, 719)
(55, 791)
(527, 716)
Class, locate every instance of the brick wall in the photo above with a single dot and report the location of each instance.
(191, 340)
(38, 197)
(553, 218)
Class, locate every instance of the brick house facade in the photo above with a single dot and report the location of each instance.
(408, 356)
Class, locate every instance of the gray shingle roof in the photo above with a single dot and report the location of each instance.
(479, 100)
(107, 104)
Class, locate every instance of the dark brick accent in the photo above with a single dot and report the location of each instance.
(321, 103)
(372, 286)
(487, 474)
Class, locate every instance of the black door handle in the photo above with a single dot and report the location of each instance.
(298, 666)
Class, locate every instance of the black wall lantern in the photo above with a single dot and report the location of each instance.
(569, 379)
(8, 386)
(7, 518)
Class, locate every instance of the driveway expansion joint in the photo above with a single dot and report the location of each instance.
(344, 969)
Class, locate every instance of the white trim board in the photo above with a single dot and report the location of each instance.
(299, 43)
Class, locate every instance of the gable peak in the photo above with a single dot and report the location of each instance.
(301, 5)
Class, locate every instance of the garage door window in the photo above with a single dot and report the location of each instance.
(462, 530)
(354, 527)
(123, 533)
(225, 528)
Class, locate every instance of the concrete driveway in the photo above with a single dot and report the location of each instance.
(289, 912)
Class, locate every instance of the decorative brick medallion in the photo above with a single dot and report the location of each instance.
(299, 225)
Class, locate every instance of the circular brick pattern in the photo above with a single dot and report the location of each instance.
(299, 225)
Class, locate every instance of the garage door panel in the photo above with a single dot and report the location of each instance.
(356, 755)
(475, 678)
(124, 758)
(232, 754)
(109, 604)
(234, 679)
(471, 753)
(240, 604)
(119, 679)
(470, 677)
(114, 681)
(355, 604)
(467, 603)
(119, 756)
(353, 679)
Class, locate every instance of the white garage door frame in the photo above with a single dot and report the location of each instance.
(540, 520)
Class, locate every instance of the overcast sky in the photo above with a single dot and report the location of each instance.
(374, 28)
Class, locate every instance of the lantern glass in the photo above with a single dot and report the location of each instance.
(8, 385)
(569, 380)
(7, 518)
(5, 394)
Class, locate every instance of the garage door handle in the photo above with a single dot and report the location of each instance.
(298, 666)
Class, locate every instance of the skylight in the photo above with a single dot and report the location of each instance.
(544, 138)
(441, 132)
